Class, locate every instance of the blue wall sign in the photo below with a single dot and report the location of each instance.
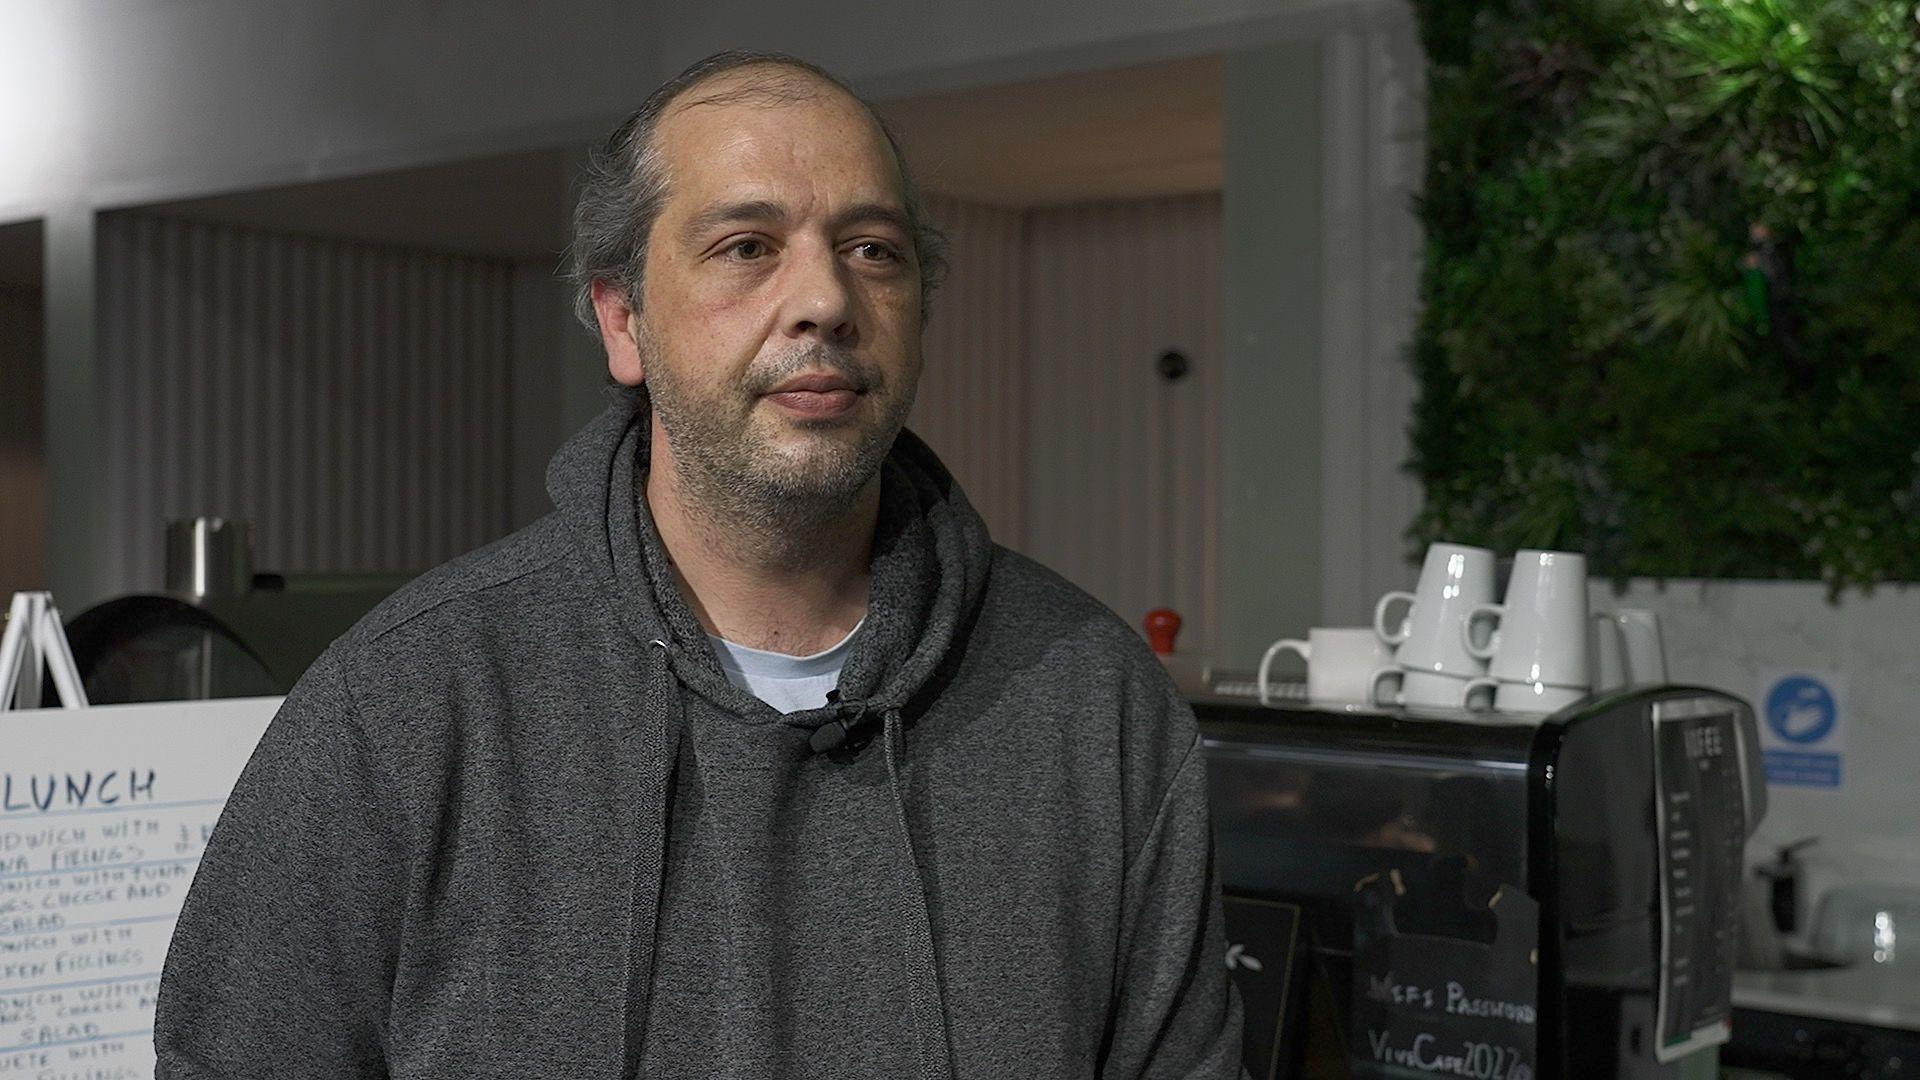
(1800, 729)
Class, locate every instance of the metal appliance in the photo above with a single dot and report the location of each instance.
(1475, 894)
(219, 629)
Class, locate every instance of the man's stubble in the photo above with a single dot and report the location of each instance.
(747, 492)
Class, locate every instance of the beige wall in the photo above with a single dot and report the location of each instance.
(1122, 464)
(971, 406)
(1043, 393)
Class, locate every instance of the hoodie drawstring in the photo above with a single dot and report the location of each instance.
(931, 561)
(929, 1004)
(663, 718)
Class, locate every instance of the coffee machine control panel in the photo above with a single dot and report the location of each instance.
(1699, 775)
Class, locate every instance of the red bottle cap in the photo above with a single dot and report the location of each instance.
(1162, 624)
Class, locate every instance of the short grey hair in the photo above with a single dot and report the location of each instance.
(624, 184)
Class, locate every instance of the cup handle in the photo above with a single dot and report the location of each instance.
(1497, 612)
(1640, 640)
(1481, 683)
(1373, 685)
(1266, 660)
(1380, 617)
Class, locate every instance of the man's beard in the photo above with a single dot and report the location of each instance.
(734, 475)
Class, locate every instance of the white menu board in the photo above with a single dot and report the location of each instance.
(103, 815)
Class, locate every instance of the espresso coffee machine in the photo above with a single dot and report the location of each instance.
(1476, 894)
(219, 629)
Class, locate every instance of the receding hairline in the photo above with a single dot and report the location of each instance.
(790, 86)
(765, 84)
(787, 83)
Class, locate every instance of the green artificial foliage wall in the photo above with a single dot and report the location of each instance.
(1671, 300)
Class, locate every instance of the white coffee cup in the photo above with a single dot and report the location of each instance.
(1454, 579)
(1627, 650)
(1522, 697)
(1539, 634)
(1644, 652)
(1342, 662)
(1420, 689)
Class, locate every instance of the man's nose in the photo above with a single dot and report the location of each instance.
(819, 302)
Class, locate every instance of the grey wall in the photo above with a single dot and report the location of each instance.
(111, 103)
(125, 102)
(75, 392)
(1325, 151)
(1270, 367)
(1373, 156)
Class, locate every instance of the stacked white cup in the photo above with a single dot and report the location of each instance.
(1434, 669)
(1538, 651)
(1626, 649)
(1536, 641)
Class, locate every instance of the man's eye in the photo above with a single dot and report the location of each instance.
(748, 249)
(881, 252)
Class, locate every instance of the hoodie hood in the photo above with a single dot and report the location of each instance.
(931, 554)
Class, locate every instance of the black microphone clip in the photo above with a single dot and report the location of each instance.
(848, 731)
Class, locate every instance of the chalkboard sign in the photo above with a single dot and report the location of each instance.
(104, 813)
(1265, 956)
(1430, 1005)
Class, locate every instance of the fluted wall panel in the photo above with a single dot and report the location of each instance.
(1122, 477)
(351, 400)
(970, 406)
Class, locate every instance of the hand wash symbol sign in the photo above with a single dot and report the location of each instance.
(1801, 709)
(1800, 728)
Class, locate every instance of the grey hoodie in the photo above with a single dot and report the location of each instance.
(517, 823)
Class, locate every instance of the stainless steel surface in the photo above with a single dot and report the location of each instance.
(223, 633)
(209, 556)
(1242, 685)
(1874, 994)
(1335, 756)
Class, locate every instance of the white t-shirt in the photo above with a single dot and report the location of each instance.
(788, 683)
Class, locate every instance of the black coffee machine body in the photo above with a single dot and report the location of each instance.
(1474, 894)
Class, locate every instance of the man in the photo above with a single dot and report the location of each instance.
(756, 757)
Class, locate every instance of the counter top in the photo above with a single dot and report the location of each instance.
(1882, 996)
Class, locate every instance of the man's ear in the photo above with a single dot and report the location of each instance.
(619, 332)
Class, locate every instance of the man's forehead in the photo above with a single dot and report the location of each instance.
(730, 148)
(757, 95)
(762, 84)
